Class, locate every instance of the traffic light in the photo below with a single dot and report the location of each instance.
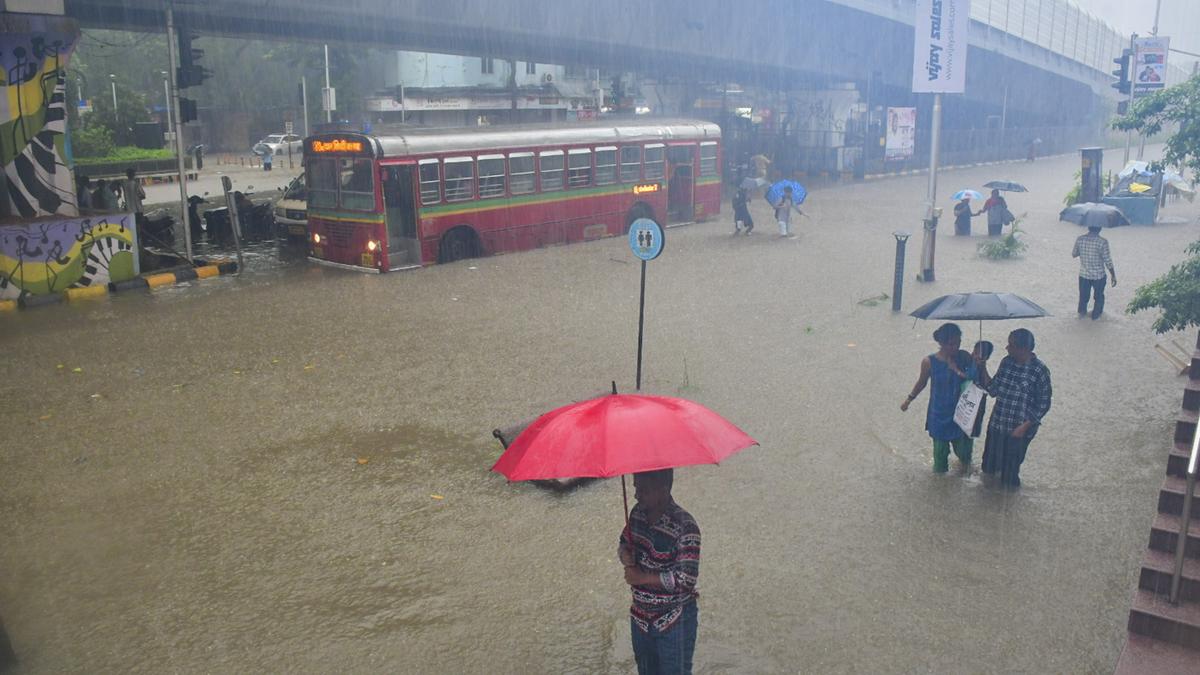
(1123, 83)
(187, 111)
(189, 73)
(1122, 107)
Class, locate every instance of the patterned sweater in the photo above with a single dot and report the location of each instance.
(670, 548)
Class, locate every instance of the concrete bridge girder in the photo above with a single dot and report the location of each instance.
(804, 44)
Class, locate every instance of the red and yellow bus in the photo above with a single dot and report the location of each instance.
(393, 201)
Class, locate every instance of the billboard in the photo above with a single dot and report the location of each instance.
(940, 47)
(901, 134)
(1149, 71)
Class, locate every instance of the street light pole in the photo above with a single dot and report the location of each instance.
(929, 242)
(167, 100)
(325, 97)
(173, 54)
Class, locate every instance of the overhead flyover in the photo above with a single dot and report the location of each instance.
(794, 42)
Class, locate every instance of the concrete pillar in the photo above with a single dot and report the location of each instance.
(34, 50)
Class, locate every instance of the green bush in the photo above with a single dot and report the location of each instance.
(1010, 245)
(92, 141)
(125, 154)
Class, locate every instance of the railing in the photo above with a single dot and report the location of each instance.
(1186, 517)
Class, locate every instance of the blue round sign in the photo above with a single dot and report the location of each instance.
(645, 239)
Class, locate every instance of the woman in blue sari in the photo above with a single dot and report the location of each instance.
(947, 370)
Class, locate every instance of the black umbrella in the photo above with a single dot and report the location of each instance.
(1091, 214)
(980, 306)
(1005, 186)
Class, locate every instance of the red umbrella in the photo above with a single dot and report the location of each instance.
(619, 434)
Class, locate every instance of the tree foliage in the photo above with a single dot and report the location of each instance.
(1177, 293)
(1180, 105)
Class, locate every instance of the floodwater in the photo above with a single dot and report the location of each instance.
(288, 471)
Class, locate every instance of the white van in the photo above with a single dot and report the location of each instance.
(291, 210)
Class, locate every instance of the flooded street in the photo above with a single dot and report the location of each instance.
(288, 471)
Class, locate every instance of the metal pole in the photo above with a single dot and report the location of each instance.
(1003, 121)
(931, 214)
(173, 52)
(1185, 519)
(898, 282)
(325, 96)
(304, 95)
(641, 324)
(1132, 60)
(235, 218)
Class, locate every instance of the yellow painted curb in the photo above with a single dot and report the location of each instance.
(8, 305)
(207, 271)
(86, 292)
(156, 280)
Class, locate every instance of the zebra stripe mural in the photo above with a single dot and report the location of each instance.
(34, 52)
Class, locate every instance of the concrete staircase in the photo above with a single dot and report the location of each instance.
(1165, 638)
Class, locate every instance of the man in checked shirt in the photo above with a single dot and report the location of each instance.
(660, 550)
(1022, 390)
(1094, 258)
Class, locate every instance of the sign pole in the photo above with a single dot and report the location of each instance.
(646, 242)
(641, 325)
(172, 51)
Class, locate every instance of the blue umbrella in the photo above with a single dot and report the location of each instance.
(775, 192)
(967, 194)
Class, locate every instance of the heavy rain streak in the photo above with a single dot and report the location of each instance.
(357, 337)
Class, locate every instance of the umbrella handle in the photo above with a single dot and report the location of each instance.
(625, 499)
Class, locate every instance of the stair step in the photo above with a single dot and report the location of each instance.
(1164, 533)
(1151, 615)
(1170, 496)
(1143, 655)
(1156, 572)
(1177, 460)
(1185, 425)
(1191, 392)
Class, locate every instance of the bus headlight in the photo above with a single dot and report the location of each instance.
(316, 238)
(371, 246)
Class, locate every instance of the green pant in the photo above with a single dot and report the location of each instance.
(941, 452)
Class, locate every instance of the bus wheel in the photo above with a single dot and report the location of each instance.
(458, 244)
(638, 211)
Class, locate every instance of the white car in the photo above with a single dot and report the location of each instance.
(278, 144)
(291, 211)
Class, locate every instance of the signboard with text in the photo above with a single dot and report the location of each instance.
(940, 47)
(901, 134)
(1149, 70)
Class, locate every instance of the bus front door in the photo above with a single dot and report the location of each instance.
(681, 184)
(400, 207)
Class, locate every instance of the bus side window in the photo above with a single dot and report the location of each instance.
(460, 179)
(655, 168)
(579, 168)
(430, 182)
(708, 159)
(550, 166)
(491, 176)
(631, 163)
(520, 173)
(606, 166)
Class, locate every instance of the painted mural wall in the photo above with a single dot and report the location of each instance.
(34, 51)
(52, 255)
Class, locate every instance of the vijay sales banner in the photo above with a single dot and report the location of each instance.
(940, 48)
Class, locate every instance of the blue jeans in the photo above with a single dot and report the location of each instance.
(668, 653)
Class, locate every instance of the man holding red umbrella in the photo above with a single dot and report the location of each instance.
(660, 549)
